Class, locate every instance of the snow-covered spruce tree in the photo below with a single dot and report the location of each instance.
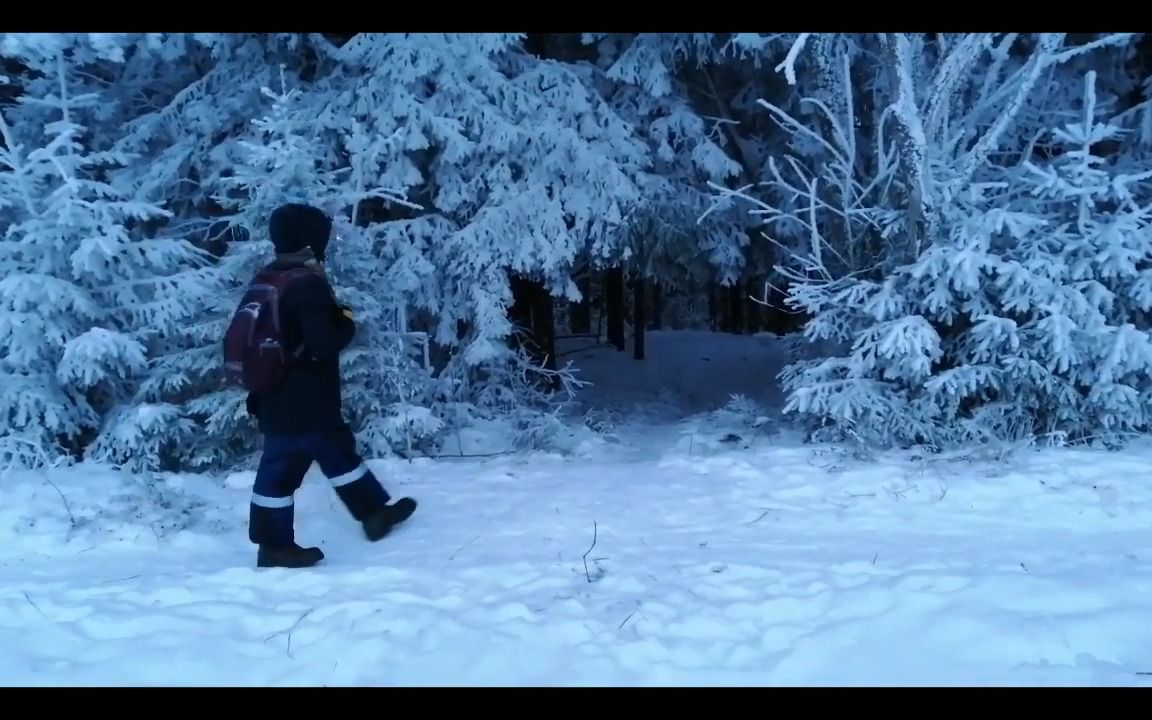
(1070, 341)
(192, 136)
(693, 97)
(189, 131)
(255, 182)
(520, 166)
(728, 82)
(825, 189)
(1025, 322)
(177, 119)
(911, 314)
(188, 114)
(641, 78)
(290, 158)
(84, 282)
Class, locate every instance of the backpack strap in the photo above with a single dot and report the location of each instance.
(281, 281)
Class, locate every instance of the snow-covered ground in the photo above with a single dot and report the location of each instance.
(700, 550)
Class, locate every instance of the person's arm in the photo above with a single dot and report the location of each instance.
(326, 330)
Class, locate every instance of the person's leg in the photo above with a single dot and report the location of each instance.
(283, 465)
(357, 486)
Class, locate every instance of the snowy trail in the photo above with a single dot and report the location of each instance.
(768, 565)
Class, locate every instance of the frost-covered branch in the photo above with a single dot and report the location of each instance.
(789, 63)
(912, 141)
(950, 76)
(1040, 59)
(1111, 39)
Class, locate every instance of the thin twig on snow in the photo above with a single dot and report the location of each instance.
(32, 603)
(67, 507)
(49, 465)
(462, 548)
(130, 577)
(449, 456)
(761, 516)
(595, 535)
(289, 631)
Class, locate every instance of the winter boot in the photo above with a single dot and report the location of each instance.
(288, 556)
(381, 523)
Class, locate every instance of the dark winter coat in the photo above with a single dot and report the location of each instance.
(309, 400)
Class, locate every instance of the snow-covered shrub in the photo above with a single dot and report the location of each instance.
(159, 113)
(999, 296)
(739, 421)
(86, 280)
(741, 411)
(285, 159)
(603, 421)
(913, 208)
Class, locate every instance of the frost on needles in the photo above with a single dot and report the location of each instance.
(1008, 299)
(87, 286)
(954, 219)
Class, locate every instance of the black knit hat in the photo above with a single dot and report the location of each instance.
(295, 226)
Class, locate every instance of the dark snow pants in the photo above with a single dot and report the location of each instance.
(285, 462)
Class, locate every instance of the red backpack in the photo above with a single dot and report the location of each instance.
(254, 356)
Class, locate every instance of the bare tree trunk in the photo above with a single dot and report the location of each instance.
(638, 320)
(614, 299)
(544, 326)
(910, 138)
(714, 318)
(532, 314)
(657, 306)
(736, 319)
(753, 310)
(580, 313)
